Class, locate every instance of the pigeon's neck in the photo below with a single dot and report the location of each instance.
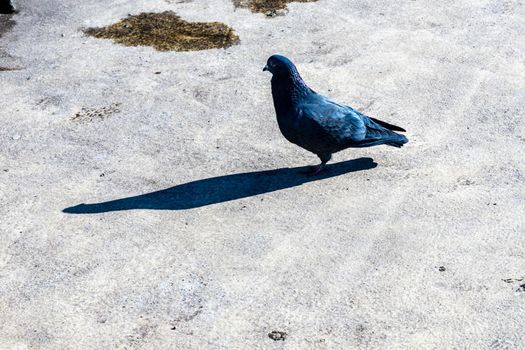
(287, 90)
(298, 85)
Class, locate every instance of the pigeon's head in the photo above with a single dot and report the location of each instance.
(279, 65)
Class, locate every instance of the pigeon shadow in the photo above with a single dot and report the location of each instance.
(220, 189)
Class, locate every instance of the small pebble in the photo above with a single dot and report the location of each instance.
(16, 137)
(277, 335)
(442, 268)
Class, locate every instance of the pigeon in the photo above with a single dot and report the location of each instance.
(318, 124)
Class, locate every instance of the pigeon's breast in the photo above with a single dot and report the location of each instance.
(306, 133)
(288, 124)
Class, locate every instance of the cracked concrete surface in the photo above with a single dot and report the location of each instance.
(351, 260)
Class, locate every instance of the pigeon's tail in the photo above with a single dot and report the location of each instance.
(385, 137)
(398, 141)
(388, 125)
(380, 133)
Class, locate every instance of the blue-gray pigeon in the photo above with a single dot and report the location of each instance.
(318, 124)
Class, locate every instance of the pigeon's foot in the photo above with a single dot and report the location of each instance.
(314, 170)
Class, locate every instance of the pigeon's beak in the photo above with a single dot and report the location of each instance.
(265, 68)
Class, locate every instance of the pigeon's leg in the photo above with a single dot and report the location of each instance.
(325, 158)
(318, 168)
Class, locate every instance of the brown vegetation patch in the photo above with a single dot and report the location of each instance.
(269, 7)
(167, 32)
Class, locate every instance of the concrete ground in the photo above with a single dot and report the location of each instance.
(198, 232)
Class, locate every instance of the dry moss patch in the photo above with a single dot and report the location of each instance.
(166, 31)
(266, 6)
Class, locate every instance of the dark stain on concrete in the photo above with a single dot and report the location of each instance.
(87, 114)
(6, 23)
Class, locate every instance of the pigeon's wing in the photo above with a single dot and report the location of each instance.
(340, 123)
